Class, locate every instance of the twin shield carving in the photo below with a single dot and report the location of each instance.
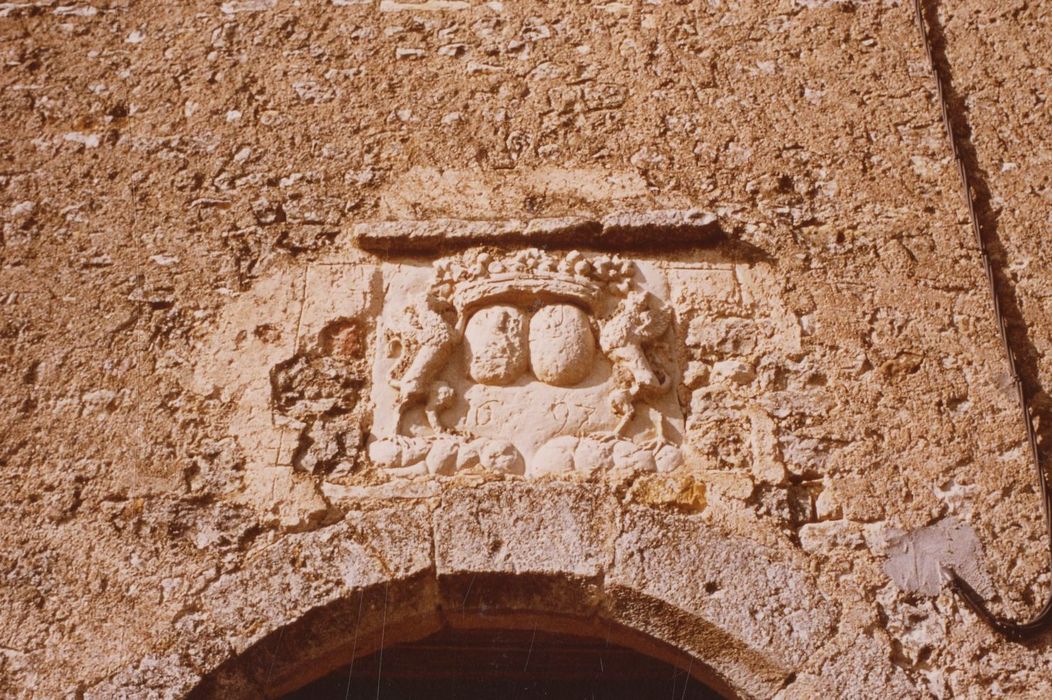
(527, 363)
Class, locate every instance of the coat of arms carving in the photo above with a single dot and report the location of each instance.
(526, 362)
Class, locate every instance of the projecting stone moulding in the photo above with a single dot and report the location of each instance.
(651, 230)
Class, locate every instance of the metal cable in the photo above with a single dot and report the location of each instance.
(1016, 631)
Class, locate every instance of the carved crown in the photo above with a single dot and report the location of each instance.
(473, 280)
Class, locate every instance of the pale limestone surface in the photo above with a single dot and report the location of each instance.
(495, 342)
(562, 345)
(524, 361)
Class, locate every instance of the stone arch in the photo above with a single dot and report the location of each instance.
(745, 617)
(321, 642)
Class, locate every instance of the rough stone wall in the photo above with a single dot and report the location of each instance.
(172, 177)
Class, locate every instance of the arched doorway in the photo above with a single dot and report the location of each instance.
(507, 663)
(562, 559)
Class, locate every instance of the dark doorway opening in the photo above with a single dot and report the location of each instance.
(506, 664)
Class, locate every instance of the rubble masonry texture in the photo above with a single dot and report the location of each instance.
(188, 333)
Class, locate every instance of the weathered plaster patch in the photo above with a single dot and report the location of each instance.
(918, 560)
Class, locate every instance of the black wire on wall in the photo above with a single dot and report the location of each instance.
(1014, 630)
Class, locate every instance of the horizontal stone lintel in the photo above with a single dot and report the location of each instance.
(661, 229)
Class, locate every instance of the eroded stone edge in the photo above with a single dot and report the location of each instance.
(653, 229)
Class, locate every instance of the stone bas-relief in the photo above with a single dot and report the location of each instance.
(525, 362)
(560, 358)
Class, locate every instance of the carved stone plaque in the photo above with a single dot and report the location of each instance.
(554, 348)
(525, 362)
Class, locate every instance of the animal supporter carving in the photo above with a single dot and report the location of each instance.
(526, 362)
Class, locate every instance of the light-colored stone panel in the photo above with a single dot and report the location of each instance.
(254, 332)
(761, 598)
(524, 528)
(335, 292)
